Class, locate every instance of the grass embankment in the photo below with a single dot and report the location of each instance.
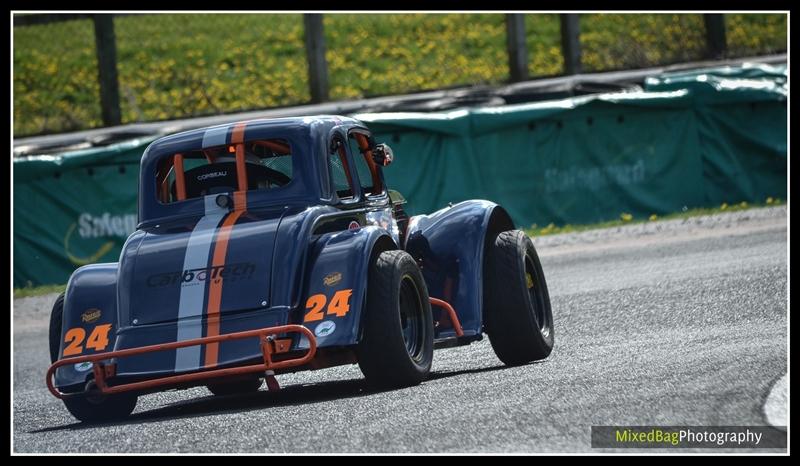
(174, 66)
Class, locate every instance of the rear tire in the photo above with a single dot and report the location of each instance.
(518, 316)
(88, 409)
(396, 349)
(239, 387)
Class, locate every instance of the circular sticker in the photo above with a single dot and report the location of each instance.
(325, 328)
(83, 366)
(353, 225)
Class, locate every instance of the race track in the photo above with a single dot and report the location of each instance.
(667, 323)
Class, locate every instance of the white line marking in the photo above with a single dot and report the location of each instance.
(193, 293)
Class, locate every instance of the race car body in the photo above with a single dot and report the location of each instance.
(275, 245)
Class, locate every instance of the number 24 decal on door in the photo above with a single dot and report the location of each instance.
(98, 339)
(339, 305)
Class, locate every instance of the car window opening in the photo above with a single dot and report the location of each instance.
(247, 166)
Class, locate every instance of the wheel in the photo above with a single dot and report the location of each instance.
(235, 388)
(396, 349)
(91, 408)
(517, 313)
(101, 408)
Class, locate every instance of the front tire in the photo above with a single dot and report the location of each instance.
(91, 408)
(518, 315)
(396, 349)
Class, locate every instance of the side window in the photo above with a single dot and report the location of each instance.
(340, 172)
(362, 165)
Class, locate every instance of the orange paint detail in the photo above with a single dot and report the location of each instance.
(451, 313)
(239, 200)
(340, 303)
(316, 303)
(237, 138)
(74, 338)
(98, 339)
(180, 182)
(215, 286)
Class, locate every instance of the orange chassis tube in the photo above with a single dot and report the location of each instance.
(104, 371)
(265, 336)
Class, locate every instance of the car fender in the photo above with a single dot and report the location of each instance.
(90, 308)
(336, 284)
(449, 246)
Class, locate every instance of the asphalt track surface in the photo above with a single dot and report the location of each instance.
(668, 323)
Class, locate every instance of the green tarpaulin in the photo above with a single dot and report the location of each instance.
(691, 139)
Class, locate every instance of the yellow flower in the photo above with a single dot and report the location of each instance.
(626, 217)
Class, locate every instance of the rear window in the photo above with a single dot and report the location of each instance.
(268, 165)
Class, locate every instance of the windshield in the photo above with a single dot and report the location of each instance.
(266, 164)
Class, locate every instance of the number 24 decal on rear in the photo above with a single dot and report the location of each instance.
(339, 305)
(98, 339)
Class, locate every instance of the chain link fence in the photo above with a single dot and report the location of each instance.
(184, 65)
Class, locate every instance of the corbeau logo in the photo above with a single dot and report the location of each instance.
(238, 271)
(212, 175)
(91, 315)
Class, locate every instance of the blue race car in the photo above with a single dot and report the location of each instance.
(274, 246)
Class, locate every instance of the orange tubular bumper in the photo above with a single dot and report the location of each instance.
(451, 313)
(265, 335)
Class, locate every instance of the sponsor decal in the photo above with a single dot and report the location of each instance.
(91, 315)
(105, 225)
(232, 272)
(353, 226)
(332, 278)
(83, 366)
(212, 175)
(325, 328)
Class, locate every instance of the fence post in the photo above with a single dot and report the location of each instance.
(517, 48)
(570, 43)
(315, 54)
(106, 47)
(716, 43)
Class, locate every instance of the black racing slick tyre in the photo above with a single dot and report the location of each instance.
(55, 327)
(239, 387)
(396, 348)
(90, 408)
(518, 316)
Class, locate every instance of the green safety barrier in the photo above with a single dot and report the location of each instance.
(690, 139)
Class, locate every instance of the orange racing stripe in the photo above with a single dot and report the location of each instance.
(215, 286)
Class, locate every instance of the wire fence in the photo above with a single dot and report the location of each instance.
(182, 65)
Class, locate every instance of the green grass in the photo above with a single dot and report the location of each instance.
(628, 219)
(534, 231)
(38, 290)
(183, 65)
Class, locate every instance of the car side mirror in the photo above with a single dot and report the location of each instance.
(382, 155)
